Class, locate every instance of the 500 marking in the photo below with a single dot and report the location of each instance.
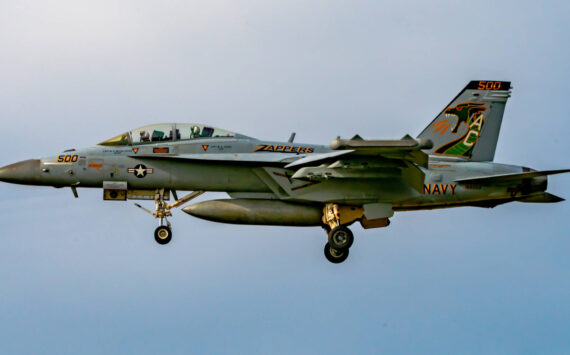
(489, 85)
(67, 158)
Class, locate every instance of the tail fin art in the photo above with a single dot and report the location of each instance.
(469, 126)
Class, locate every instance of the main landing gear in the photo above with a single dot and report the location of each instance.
(163, 233)
(340, 241)
(335, 220)
(340, 238)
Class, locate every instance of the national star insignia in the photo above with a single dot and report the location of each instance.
(140, 171)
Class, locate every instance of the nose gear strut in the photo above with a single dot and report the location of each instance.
(163, 233)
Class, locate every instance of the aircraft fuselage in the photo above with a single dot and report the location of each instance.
(159, 165)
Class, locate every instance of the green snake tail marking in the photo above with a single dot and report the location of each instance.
(470, 113)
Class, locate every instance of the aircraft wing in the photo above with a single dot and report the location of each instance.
(405, 149)
(318, 158)
(351, 164)
(359, 162)
(506, 178)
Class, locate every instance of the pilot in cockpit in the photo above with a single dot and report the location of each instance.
(145, 136)
(195, 132)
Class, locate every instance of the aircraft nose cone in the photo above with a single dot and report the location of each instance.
(24, 172)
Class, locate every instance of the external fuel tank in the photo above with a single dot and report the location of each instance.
(260, 212)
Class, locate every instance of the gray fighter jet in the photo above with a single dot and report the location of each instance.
(450, 164)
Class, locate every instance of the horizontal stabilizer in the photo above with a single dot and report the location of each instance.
(543, 197)
(496, 179)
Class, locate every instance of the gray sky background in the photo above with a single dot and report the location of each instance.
(85, 276)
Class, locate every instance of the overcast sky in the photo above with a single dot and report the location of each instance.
(85, 276)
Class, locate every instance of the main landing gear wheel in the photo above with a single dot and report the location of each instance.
(341, 238)
(335, 256)
(163, 235)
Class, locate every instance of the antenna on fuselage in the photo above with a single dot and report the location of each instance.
(292, 138)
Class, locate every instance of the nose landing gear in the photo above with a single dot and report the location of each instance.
(163, 233)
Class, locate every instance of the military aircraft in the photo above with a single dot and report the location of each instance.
(450, 164)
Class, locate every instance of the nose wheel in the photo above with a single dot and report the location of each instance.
(163, 233)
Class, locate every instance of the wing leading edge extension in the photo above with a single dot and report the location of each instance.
(254, 158)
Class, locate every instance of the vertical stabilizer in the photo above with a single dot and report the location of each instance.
(469, 126)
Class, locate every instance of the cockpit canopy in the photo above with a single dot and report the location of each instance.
(169, 132)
